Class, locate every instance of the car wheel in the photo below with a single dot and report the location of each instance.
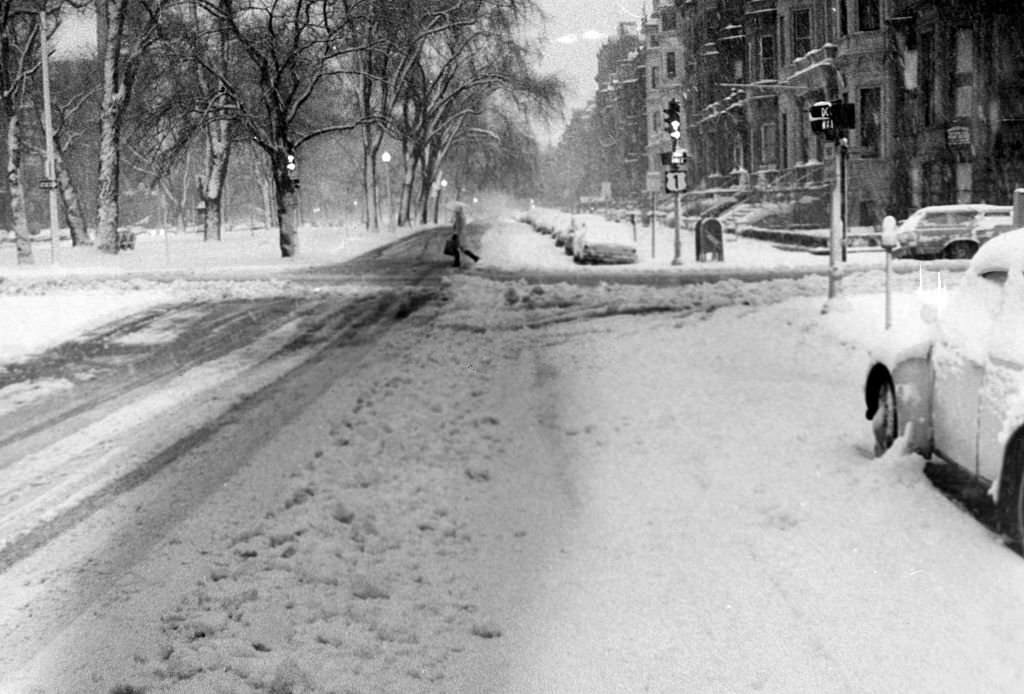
(960, 251)
(1012, 490)
(884, 423)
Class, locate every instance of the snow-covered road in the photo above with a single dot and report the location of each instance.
(554, 490)
(729, 531)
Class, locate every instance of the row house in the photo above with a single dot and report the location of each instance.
(957, 74)
(664, 64)
(936, 85)
(620, 112)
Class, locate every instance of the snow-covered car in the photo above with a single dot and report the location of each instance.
(953, 384)
(548, 221)
(948, 231)
(605, 242)
(565, 234)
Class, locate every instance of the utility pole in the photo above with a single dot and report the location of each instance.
(831, 120)
(50, 182)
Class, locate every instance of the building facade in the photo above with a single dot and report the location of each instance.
(620, 112)
(665, 63)
(936, 86)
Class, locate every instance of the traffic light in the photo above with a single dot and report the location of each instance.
(291, 166)
(673, 121)
(843, 115)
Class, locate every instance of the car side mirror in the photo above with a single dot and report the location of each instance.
(889, 238)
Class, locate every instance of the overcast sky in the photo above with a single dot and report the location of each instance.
(575, 30)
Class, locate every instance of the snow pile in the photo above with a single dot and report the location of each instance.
(359, 574)
(36, 321)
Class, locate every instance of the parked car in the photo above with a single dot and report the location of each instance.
(953, 385)
(950, 231)
(603, 242)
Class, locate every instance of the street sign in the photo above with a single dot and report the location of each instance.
(48, 184)
(675, 181)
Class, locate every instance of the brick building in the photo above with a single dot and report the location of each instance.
(936, 85)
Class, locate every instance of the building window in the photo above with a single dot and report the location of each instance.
(768, 145)
(766, 59)
(654, 78)
(801, 20)
(962, 82)
(670, 65)
(844, 25)
(869, 17)
(654, 122)
(668, 19)
(870, 121)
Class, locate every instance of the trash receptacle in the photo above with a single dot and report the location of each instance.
(125, 240)
(709, 240)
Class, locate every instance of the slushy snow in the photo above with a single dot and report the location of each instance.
(556, 489)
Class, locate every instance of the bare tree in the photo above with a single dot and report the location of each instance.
(287, 51)
(458, 74)
(126, 28)
(19, 32)
(72, 94)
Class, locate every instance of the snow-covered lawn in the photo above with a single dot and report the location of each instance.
(561, 489)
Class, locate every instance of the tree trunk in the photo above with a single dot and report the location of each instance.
(218, 146)
(370, 197)
(268, 203)
(408, 188)
(287, 202)
(117, 83)
(405, 202)
(72, 203)
(108, 184)
(217, 155)
(22, 237)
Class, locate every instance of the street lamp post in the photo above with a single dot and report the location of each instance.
(437, 200)
(386, 158)
(50, 167)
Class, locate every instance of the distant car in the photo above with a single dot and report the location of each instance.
(953, 384)
(950, 231)
(603, 243)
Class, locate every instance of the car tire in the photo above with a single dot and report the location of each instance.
(884, 424)
(1011, 490)
(960, 251)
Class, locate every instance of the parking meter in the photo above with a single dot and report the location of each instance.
(889, 238)
(889, 242)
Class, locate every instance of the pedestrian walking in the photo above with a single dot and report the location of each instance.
(453, 246)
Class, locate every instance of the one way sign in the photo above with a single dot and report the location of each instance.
(675, 181)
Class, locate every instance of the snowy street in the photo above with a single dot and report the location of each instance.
(538, 488)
